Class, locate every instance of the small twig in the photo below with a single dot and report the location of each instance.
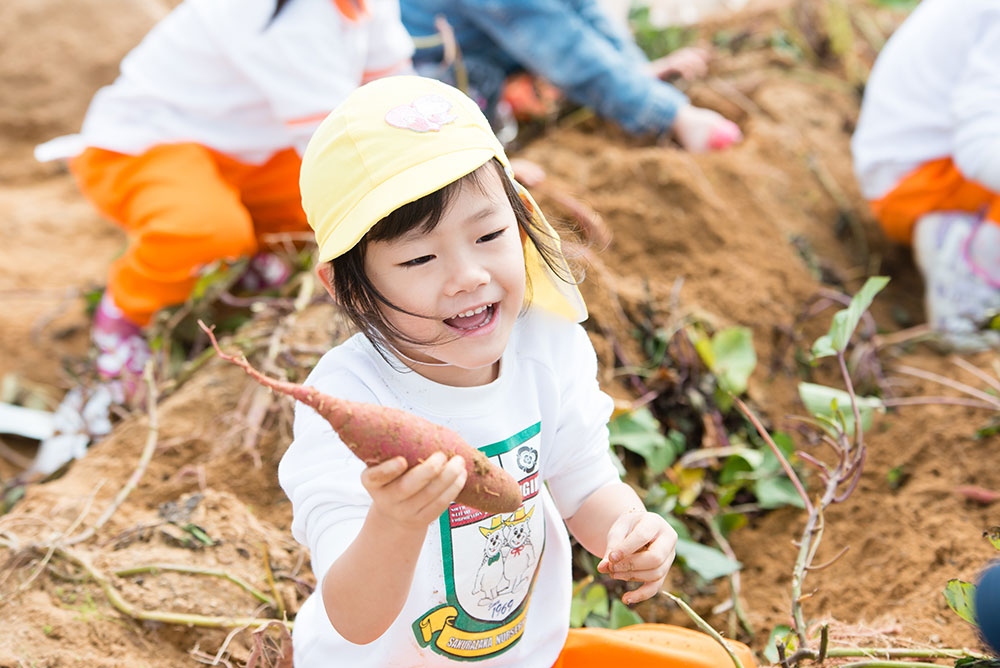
(126, 608)
(975, 371)
(15, 457)
(52, 547)
(153, 569)
(147, 455)
(704, 626)
(734, 577)
(789, 471)
(937, 401)
(225, 643)
(278, 601)
(829, 563)
(948, 382)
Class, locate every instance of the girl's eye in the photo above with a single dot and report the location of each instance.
(492, 235)
(417, 261)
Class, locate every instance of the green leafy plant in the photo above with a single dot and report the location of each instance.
(656, 41)
(961, 595)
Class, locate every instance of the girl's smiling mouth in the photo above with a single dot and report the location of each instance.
(473, 320)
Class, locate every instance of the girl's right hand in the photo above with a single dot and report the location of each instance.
(413, 498)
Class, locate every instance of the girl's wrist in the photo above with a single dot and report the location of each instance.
(386, 524)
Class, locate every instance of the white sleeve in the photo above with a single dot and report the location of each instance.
(975, 107)
(581, 459)
(322, 478)
(390, 47)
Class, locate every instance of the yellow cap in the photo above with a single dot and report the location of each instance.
(393, 141)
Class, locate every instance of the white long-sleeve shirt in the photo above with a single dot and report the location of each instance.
(934, 92)
(220, 73)
(495, 588)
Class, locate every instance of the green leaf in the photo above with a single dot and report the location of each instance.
(846, 320)
(772, 465)
(708, 562)
(829, 403)
(622, 616)
(735, 358)
(740, 462)
(780, 633)
(993, 535)
(199, 534)
(777, 492)
(730, 356)
(593, 600)
(640, 432)
(961, 597)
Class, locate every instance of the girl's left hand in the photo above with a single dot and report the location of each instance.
(640, 548)
(689, 62)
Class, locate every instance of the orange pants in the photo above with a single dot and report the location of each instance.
(648, 646)
(185, 206)
(934, 186)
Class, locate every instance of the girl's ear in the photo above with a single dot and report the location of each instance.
(324, 272)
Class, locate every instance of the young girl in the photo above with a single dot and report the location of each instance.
(194, 149)
(927, 155)
(467, 317)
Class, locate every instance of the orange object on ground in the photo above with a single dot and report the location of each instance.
(529, 97)
(185, 206)
(648, 646)
(934, 186)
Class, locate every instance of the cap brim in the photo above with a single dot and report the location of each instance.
(401, 188)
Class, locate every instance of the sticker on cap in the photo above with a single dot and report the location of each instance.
(427, 113)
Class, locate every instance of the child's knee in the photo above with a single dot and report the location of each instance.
(201, 239)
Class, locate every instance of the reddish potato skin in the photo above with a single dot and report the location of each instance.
(377, 433)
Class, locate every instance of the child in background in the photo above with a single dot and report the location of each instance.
(195, 148)
(576, 47)
(927, 155)
(468, 317)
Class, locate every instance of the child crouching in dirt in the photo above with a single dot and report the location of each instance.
(195, 149)
(927, 155)
(576, 47)
(468, 317)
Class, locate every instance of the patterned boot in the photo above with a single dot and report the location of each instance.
(958, 255)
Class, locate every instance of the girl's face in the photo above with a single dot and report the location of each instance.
(466, 275)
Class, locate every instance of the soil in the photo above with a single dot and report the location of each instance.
(746, 237)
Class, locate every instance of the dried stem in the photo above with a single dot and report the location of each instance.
(704, 626)
(147, 454)
(975, 371)
(278, 600)
(789, 471)
(193, 570)
(734, 577)
(118, 602)
(949, 382)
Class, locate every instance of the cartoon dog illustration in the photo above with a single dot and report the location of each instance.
(490, 579)
(518, 552)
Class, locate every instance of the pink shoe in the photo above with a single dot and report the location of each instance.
(265, 271)
(122, 350)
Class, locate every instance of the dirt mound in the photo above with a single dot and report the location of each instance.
(745, 237)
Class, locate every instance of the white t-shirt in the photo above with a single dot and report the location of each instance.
(220, 73)
(494, 589)
(934, 92)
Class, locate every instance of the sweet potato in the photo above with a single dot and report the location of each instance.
(377, 433)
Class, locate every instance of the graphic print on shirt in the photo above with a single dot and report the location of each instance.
(490, 562)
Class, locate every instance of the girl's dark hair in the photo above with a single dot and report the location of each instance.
(360, 300)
